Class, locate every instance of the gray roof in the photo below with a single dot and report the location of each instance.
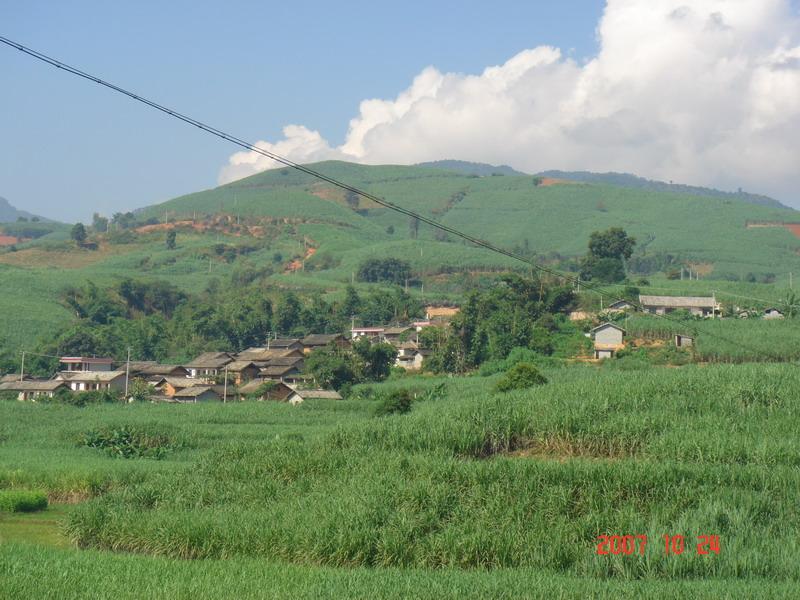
(320, 339)
(325, 394)
(263, 355)
(210, 360)
(13, 377)
(278, 370)
(158, 369)
(604, 325)
(90, 375)
(179, 382)
(240, 365)
(49, 385)
(679, 301)
(284, 342)
(253, 386)
(395, 330)
(193, 392)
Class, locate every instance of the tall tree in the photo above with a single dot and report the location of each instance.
(78, 233)
(171, 235)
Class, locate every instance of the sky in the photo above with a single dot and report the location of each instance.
(705, 92)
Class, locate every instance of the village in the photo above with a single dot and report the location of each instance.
(276, 371)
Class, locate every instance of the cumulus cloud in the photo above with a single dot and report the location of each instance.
(704, 92)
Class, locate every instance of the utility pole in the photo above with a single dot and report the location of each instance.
(225, 386)
(269, 334)
(22, 368)
(790, 280)
(127, 372)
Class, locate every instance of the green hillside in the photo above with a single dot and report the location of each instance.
(269, 223)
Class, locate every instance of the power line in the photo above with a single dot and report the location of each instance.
(316, 174)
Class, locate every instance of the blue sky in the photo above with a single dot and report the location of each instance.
(70, 148)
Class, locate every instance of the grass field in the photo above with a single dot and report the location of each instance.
(470, 494)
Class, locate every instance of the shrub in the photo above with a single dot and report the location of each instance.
(396, 402)
(127, 442)
(520, 377)
(22, 501)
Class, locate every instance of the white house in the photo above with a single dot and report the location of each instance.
(608, 340)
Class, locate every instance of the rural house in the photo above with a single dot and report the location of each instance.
(299, 396)
(410, 356)
(393, 334)
(315, 341)
(89, 381)
(208, 365)
(242, 371)
(440, 313)
(169, 386)
(374, 334)
(701, 306)
(85, 363)
(31, 390)
(157, 370)
(608, 340)
(683, 341)
(279, 392)
(284, 344)
(284, 373)
(200, 393)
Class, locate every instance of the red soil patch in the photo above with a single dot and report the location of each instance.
(297, 265)
(9, 240)
(548, 181)
(794, 228)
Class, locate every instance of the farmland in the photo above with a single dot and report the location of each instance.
(472, 491)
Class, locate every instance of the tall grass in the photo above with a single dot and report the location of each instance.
(475, 480)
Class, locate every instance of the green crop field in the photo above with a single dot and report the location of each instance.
(472, 493)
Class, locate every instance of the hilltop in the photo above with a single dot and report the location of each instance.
(9, 213)
(471, 168)
(632, 181)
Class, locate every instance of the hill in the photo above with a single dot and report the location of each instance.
(471, 168)
(9, 214)
(632, 181)
(293, 231)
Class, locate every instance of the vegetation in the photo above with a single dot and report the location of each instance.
(22, 501)
(520, 377)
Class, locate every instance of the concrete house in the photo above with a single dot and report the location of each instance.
(608, 340)
(32, 389)
(279, 392)
(299, 396)
(91, 381)
(701, 306)
(208, 365)
(85, 363)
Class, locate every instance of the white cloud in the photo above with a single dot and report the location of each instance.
(703, 92)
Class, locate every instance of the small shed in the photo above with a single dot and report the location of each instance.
(683, 340)
(619, 306)
(608, 340)
(773, 313)
(299, 396)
